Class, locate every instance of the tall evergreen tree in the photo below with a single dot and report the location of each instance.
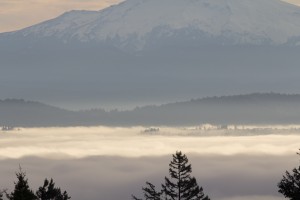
(149, 193)
(182, 186)
(289, 186)
(22, 190)
(49, 192)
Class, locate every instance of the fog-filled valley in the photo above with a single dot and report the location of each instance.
(113, 163)
(142, 141)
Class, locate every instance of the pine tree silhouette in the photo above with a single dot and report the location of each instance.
(22, 190)
(289, 186)
(149, 193)
(49, 192)
(1, 195)
(182, 186)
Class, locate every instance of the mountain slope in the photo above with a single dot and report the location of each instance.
(21, 113)
(153, 51)
(137, 22)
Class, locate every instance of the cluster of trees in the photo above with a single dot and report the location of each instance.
(22, 190)
(180, 186)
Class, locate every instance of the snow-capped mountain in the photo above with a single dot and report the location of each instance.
(136, 23)
(152, 51)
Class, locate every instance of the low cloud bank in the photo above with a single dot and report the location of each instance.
(61, 143)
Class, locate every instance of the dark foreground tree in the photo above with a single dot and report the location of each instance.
(22, 190)
(49, 192)
(149, 193)
(1, 194)
(180, 186)
(289, 186)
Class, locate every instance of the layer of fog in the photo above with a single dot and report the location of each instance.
(100, 163)
(134, 142)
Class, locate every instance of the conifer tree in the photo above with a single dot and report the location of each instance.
(49, 192)
(289, 186)
(182, 186)
(22, 190)
(1, 195)
(149, 193)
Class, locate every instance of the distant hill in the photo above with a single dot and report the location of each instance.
(268, 108)
(259, 108)
(18, 112)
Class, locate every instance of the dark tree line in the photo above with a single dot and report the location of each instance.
(22, 190)
(180, 186)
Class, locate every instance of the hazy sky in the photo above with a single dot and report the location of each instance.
(17, 14)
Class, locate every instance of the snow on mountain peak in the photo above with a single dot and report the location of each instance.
(242, 21)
